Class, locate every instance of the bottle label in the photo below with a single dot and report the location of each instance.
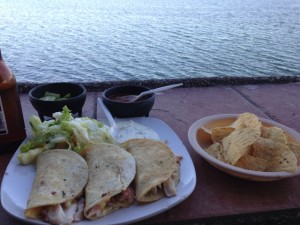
(3, 126)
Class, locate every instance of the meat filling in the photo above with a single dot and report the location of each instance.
(169, 186)
(64, 214)
(123, 199)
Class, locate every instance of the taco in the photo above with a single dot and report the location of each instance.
(158, 169)
(111, 170)
(61, 176)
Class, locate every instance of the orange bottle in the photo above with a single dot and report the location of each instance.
(12, 128)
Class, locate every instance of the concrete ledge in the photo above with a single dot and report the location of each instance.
(187, 82)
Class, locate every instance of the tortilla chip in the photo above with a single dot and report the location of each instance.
(279, 156)
(274, 133)
(247, 120)
(250, 162)
(248, 144)
(216, 150)
(204, 138)
(295, 148)
(238, 143)
(219, 133)
(207, 130)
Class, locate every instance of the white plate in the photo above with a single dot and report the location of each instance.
(198, 141)
(17, 182)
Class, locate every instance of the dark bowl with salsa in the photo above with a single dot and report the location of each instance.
(71, 95)
(118, 107)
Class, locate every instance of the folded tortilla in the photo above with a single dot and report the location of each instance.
(111, 170)
(158, 169)
(61, 176)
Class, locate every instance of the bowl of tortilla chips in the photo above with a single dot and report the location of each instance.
(246, 146)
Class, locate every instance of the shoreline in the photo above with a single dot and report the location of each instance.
(25, 87)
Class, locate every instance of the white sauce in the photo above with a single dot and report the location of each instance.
(130, 130)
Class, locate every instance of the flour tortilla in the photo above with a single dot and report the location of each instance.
(156, 163)
(111, 170)
(60, 177)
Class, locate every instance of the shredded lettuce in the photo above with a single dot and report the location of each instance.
(64, 131)
(30, 156)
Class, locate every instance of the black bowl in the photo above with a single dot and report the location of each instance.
(119, 109)
(47, 108)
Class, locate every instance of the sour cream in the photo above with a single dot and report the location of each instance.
(130, 130)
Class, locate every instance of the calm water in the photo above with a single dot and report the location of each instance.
(84, 40)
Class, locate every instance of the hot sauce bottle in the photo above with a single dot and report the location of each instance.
(12, 128)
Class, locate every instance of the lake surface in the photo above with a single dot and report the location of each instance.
(86, 41)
